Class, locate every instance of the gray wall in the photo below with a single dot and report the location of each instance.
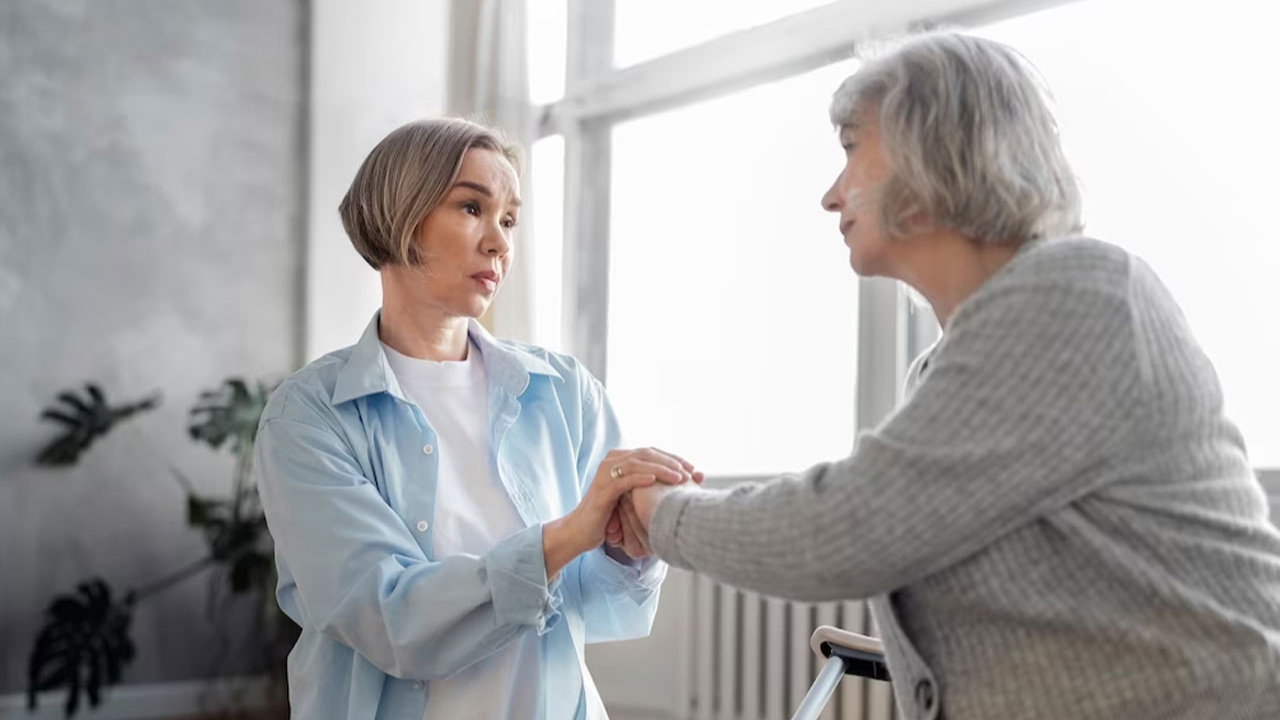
(151, 189)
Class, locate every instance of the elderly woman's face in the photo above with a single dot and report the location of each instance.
(856, 195)
(466, 241)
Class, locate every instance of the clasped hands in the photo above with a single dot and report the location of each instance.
(638, 479)
(617, 507)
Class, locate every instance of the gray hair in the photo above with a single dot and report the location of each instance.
(970, 136)
(405, 177)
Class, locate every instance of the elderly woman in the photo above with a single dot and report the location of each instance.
(439, 498)
(1059, 521)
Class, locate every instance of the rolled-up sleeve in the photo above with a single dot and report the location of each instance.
(619, 599)
(360, 576)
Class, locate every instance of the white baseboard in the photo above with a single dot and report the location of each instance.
(146, 702)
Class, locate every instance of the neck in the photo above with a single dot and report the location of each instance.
(947, 268)
(426, 333)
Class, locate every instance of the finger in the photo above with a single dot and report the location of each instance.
(624, 541)
(631, 543)
(654, 455)
(613, 529)
(664, 473)
(627, 483)
(631, 519)
(688, 466)
(634, 544)
(698, 477)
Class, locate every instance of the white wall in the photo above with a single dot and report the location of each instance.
(374, 66)
(642, 679)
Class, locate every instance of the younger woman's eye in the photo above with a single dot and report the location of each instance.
(471, 207)
(510, 223)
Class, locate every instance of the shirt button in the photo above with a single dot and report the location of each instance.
(418, 685)
(925, 695)
(427, 449)
(422, 526)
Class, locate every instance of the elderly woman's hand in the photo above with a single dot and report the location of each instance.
(644, 501)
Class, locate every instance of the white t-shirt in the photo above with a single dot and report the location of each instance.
(473, 513)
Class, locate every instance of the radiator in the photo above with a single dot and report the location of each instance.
(748, 657)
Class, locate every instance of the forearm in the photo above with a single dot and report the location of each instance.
(427, 620)
(777, 538)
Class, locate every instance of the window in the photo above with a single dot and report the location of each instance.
(645, 29)
(1169, 119)
(546, 23)
(1165, 117)
(732, 309)
(547, 257)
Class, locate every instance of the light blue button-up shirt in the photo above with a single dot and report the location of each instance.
(349, 490)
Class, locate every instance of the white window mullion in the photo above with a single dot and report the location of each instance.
(586, 193)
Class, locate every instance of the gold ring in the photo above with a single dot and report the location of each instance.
(615, 472)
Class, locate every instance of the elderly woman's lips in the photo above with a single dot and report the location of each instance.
(844, 227)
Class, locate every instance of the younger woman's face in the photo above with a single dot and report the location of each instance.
(466, 243)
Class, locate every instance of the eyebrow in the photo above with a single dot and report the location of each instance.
(482, 189)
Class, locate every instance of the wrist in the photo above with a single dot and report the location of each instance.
(646, 501)
(561, 543)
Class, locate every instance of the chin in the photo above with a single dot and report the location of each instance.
(472, 307)
(477, 307)
(860, 266)
(866, 264)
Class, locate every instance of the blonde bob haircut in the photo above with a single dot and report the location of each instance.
(969, 134)
(404, 178)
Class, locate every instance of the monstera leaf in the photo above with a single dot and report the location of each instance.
(239, 539)
(228, 536)
(82, 646)
(84, 420)
(229, 413)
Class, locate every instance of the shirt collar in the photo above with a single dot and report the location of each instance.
(367, 371)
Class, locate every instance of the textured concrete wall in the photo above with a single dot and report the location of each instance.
(151, 188)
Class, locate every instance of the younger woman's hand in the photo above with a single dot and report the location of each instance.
(619, 473)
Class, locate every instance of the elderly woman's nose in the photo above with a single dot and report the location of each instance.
(831, 198)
